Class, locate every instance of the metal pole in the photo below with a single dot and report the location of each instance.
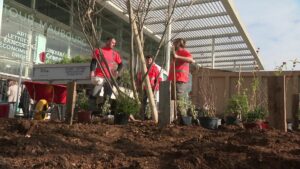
(19, 85)
(213, 54)
(1, 11)
(168, 36)
(234, 65)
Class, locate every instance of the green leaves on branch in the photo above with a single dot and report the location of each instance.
(82, 102)
(238, 105)
(127, 105)
(67, 60)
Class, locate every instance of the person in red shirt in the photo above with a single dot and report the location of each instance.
(114, 62)
(182, 59)
(154, 77)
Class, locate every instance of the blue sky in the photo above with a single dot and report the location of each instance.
(274, 27)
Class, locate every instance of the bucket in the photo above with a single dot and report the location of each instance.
(4, 110)
(110, 119)
(121, 118)
(84, 116)
(231, 120)
(186, 120)
(209, 122)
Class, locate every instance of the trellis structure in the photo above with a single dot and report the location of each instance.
(213, 30)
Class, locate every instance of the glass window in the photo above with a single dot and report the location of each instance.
(56, 9)
(25, 2)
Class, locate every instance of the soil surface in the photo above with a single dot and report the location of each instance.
(144, 145)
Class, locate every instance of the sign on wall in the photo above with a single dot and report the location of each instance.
(61, 72)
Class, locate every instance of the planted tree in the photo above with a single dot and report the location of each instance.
(208, 93)
(88, 12)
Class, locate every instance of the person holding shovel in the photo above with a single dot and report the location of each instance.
(154, 77)
(97, 74)
(179, 74)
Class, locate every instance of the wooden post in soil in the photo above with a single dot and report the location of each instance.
(71, 100)
(144, 67)
(166, 115)
(295, 111)
(277, 102)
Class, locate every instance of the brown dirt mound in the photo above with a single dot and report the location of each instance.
(144, 145)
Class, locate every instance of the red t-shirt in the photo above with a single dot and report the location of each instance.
(182, 68)
(111, 56)
(153, 74)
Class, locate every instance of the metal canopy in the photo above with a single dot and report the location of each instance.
(212, 28)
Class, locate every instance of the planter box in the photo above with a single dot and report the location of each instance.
(4, 110)
(84, 117)
(256, 125)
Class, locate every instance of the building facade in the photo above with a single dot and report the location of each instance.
(33, 29)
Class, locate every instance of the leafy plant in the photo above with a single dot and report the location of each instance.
(208, 93)
(189, 107)
(67, 60)
(106, 108)
(126, 105)
(82, 101)
(124, 79)
(259, 113)
(238, 105)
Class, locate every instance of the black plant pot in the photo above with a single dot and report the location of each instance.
(209, 122)
(230, 120)
(186, 120)
(121, 118)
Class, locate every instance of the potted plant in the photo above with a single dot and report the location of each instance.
(82, 106)
(207, 114)
(237, 107)
(125, 106)
(189, 112)
(208, 118)
(256, 118)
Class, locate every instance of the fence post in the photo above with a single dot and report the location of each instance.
(71, 100)
(295, 111)
(277, 102)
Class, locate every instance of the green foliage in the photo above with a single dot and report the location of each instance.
(67, 60)
(255, 85)
(82, 102)
(124, 80)
(259, 113)
(206, 113)
(127, 105)
(106, 108)
(188, 108)
(238, 105)
(79, 59)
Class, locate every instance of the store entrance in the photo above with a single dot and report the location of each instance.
(3, 89)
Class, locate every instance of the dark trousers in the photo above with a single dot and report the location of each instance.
(96, 93)
(181, 93)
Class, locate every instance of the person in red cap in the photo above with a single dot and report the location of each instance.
(182, 59)
(114, 62)
(154, 77)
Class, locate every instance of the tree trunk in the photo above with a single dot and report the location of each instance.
(144, 67)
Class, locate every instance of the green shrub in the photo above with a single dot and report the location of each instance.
(238, 105)
(127, 105)
(82, 102)
(259, 113)
(68, 60)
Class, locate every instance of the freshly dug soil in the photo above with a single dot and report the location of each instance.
(144, 145)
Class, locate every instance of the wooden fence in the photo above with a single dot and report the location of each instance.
(221, 85)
